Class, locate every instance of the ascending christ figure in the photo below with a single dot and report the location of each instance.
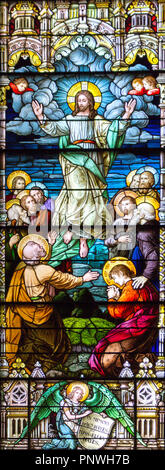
(81, 204)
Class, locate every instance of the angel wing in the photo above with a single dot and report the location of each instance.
(49, 401)
(104, 400)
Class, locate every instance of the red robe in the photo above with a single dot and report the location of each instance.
(16, 91)
(137, 92)
(139, 310)
(10, 196)
(154, 91)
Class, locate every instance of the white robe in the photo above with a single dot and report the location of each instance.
(81, 203)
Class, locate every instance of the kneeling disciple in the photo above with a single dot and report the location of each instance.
(35, 330)
(137, 309)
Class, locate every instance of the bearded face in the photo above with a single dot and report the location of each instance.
(146, 182)
(16, 213)
(38, 196)
(83, 103)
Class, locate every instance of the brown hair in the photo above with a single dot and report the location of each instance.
(20, 80)
(23, 201)
(14, 182)
(137, 80)
(129, 198)
(151, 80)
(91, 101)
(121, 269)
(71, 394)
(150, 177)
(37, 188)
(34, 188)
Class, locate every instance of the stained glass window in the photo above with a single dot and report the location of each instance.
(82, 100)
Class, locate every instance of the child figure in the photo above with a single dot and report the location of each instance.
(20, 86)
(150, 85)
(138, 87)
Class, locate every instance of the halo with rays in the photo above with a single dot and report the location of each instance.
(83, 86)
(67, 89)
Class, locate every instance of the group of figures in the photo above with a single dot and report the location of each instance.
(43, 230)
(146, 85)
(82, 104)
(82, 324)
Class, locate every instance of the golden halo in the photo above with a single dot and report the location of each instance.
(109, 265)
(15, 174)
(23, 193)
(130, 176)
(119, 197)
(83, 86)
(149, 200)
(33, 238)
(11, 202)
(82, 386)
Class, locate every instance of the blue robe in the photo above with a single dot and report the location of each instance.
(67, 438)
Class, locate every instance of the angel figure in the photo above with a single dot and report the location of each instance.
(66, 401)
(20, 85)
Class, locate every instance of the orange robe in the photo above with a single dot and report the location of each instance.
(138, 310)
(124, 310)
(29, 296)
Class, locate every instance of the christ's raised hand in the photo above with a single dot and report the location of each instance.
(38, 110)
(129, 108)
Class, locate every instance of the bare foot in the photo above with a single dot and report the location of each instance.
(83, 247)
(67, 237)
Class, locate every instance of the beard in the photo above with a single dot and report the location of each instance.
(40, 201)
(149, 217)
(83, 107)
(144, 190)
